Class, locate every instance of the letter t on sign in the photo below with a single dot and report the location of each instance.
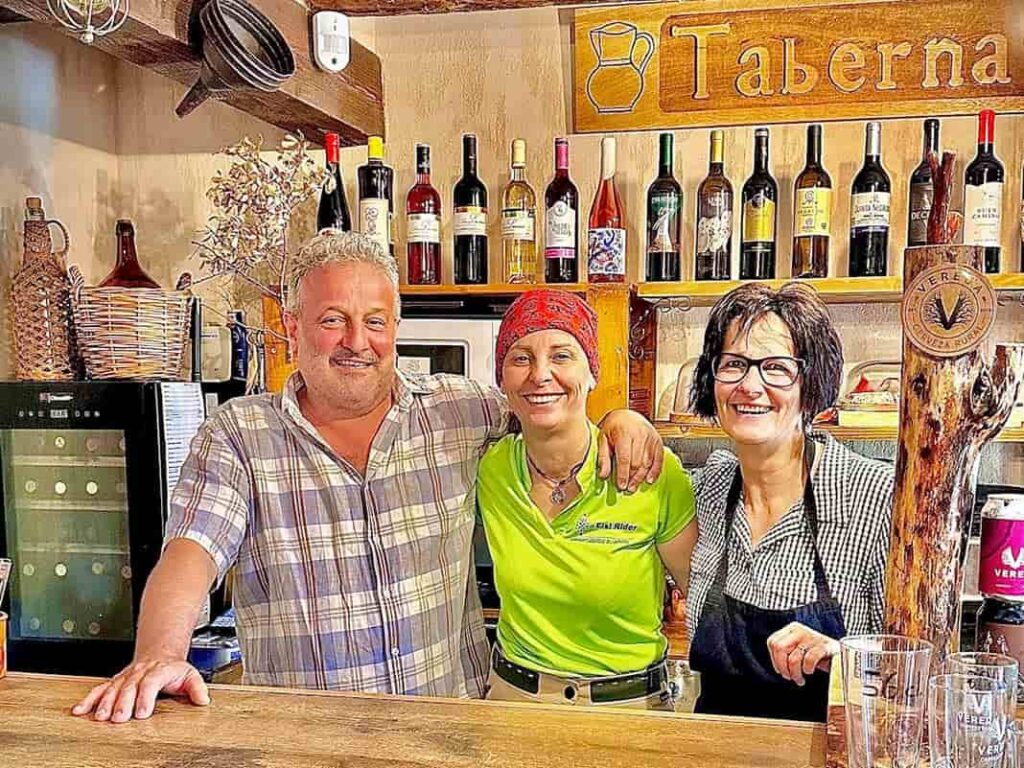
(700, 37)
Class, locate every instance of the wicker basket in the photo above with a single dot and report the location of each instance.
(130, 333)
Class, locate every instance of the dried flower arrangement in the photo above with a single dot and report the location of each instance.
(246, 237)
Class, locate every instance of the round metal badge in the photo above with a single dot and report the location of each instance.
(948, 310)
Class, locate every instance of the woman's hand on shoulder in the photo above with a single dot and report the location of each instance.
(798, 651)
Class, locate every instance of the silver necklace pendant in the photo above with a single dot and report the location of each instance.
(557, 495)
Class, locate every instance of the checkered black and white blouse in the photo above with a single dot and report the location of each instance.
(854, 500)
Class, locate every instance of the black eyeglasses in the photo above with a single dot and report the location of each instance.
(778, 372)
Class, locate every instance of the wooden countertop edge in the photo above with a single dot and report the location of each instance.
(436, 700)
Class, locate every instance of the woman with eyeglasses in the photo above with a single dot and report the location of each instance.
(793, 526)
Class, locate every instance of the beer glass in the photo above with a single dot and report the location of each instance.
(967, 721)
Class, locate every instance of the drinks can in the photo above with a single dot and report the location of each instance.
(1001, 561)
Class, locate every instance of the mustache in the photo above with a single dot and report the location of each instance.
(343, 355)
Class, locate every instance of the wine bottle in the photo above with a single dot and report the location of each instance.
(561, 222)
(518, 216)
(376, 203)
(606, 239)
(869, 210)
(664, 198)
(127, 272)
(758, 227)
(470, 220)
(423, 225)
(922, 188)
(812, 211)
(983, 194)
(333, 211)
(714, 217)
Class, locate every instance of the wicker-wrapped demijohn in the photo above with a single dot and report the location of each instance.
(44, 348)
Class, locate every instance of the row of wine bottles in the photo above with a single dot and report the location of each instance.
(606, 235)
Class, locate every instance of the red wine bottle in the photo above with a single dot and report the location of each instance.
(470, 220)
(922, 187)
(606, 241)
(376, 203)
(869, 210)
(333, 211)
(760, 196)
(562, 221)
(423, 225)
(983, 194)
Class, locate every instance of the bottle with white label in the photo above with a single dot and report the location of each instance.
(470, 220)
(983, 194)
(561, 221)
(376, 206)
(423, 225)
(606, 239)
(518, 217)
(869, 211)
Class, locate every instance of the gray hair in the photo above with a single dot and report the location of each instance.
(332, 246)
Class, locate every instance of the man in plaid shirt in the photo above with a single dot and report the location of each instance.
(346, 505)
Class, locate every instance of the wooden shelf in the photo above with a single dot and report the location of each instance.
(491, 289)
(155, 36)
(1009, 281)
(677, 431)
(833, 290)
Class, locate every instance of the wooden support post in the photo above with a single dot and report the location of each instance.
(611, 303)
(643, 356)
(952, 403)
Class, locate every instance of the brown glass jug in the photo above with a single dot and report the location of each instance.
(44, 348)
(127, 272)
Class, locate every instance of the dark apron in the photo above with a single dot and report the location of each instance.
(730, 646)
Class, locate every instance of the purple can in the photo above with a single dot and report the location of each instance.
(1001, 564)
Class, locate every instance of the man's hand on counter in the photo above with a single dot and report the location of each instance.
(133, 691)
(798, 651)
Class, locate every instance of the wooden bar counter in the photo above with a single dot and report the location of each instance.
(248, 727)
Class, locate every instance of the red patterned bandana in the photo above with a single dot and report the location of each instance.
(545, 309)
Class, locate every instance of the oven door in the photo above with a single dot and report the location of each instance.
(460, 346)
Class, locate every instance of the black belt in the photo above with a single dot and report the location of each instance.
(632, 685)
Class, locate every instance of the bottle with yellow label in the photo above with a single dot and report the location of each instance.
(812, 211)
(760, 196)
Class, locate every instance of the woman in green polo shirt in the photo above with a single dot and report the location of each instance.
(579, 566)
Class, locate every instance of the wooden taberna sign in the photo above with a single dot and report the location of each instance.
(682, 64)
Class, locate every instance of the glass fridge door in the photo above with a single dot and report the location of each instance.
(66, 518)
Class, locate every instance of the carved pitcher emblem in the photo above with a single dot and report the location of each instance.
(617, 80)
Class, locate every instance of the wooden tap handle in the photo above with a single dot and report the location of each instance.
(939, 231)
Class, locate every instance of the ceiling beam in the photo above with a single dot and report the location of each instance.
(404, 7)
(155, 36)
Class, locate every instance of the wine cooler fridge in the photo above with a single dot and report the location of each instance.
(86, 469)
